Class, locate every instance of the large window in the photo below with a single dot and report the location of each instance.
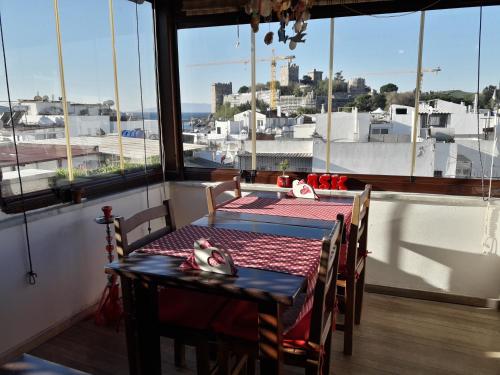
(214, 68)
(374, 119)
(105, 123)
(460, 124)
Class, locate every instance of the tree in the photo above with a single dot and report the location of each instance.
(339, 84)
(403, 98)
(389, 87)
(378, 101)
(486, 96)
(306, 80)
(363, 102)
(306, 111)
(243, 90)
(297, 91)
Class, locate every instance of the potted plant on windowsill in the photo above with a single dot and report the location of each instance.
(284, 180)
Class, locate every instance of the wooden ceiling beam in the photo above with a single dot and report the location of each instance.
(206, 13)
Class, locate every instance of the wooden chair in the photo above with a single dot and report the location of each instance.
(214, 191)
(352, 276)
(124, 226)
(174, 304)
(314, 352)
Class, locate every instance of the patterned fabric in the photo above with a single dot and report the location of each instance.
(293, 207)
(299, 257)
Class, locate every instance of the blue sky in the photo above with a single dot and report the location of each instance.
(30, 41)
(363, 45)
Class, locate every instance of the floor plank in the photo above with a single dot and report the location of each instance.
(397, 336)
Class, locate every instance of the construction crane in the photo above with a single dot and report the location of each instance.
(426, 70)
(273, 59)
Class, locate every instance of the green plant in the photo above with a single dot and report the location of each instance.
(283, 166)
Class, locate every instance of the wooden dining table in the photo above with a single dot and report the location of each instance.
(270, 287)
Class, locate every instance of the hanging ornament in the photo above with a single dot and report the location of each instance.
(237, 35)
(282, 37)
(286, 11)
(254, 22)
(268, 39)
(265, 8)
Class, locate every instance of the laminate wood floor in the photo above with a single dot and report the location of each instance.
(397, 336)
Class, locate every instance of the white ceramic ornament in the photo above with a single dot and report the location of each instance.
(212, 259)
(302, 190)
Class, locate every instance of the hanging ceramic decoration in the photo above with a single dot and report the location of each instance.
(284, 10)
(268, 39)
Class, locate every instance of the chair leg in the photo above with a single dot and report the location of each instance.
(223, 365)
(202, 358)
(360, 288)
(349, 314)
(325, 369)
(251, 365)
(179, 353)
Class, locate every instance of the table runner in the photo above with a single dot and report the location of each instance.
(290, 207)
(296, 256)
(299, 208)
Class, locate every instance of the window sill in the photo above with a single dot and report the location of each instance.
(12, 220)
(424, 198)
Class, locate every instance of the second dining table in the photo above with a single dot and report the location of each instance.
(275, 249)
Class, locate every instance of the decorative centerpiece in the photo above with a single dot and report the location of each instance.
(283, 180)
(302, 190)
(284, 11)
(206, 257)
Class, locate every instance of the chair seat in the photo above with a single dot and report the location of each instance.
(239, 319)
(188, 309)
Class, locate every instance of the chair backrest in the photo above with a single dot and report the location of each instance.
(214, 191)
(124, 226)
(325, 292)
(358, 230)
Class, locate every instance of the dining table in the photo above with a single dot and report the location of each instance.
(275, 242)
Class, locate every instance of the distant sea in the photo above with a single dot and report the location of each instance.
(186, 116)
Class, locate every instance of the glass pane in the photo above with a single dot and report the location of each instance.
(374, 84)
(32, 66)
(134, 129)
(214, 64)
(289, 107)
(459, 124)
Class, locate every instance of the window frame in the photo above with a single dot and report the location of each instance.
(168, 17)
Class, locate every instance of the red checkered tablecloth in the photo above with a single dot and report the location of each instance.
(299, 256)
(291, 207)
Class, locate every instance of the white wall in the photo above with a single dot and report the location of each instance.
(291, 146)
(344, 125)
(434, 246)
(423, 242)
(375, 158)
(69, 258)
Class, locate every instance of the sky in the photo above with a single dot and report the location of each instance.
(31, 49)
(377, 48)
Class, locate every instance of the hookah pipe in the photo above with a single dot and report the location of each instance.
(110, 309)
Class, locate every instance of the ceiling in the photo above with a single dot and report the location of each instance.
(200, 13)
